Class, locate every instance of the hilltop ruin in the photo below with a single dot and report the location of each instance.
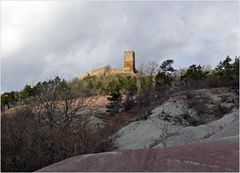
(128, 67)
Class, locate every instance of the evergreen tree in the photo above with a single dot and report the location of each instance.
(194, 72)
(27, 92)
(165, 73)
(114, 97)
(90, 85)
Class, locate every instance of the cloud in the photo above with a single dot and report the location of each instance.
(41, 38)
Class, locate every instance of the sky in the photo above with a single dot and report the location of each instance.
(40, 39)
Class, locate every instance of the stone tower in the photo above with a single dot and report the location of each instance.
(129, 61)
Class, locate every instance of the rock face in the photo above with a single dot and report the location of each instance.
(95, 122)
(202, 157)
(175, 111)
(198, 106)
(154, 132)
(224, 127)
(144, 134)
(180, 120)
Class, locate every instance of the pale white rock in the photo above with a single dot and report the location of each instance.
(228, 125)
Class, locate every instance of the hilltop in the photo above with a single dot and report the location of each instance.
(128, 68)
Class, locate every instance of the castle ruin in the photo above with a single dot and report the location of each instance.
(129, 61)
(128, 67)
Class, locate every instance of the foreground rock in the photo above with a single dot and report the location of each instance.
(218, 155)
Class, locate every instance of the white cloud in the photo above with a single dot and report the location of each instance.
(40, 38)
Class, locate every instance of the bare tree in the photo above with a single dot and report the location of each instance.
(150, 68)
(26, 146)
(69, 106)
(58, 104)
(141, 69)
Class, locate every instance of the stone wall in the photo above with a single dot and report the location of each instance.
(102, 71)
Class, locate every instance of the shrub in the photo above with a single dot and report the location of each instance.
(115, 98)
(27, 145)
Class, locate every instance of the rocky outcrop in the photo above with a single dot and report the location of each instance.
(180, 121)
(224, 127)
(203, 157)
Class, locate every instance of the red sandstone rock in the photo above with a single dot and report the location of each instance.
(219, 155)
(96, 101)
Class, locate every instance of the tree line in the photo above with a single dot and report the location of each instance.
(156, 81)
(152, 76)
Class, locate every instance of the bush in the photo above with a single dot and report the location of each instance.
(144, 98)
(27, 145)
(115, 98)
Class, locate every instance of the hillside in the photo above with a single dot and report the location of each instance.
(57, 119)
(175, 136)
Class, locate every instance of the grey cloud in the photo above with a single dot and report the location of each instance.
(80, 36)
